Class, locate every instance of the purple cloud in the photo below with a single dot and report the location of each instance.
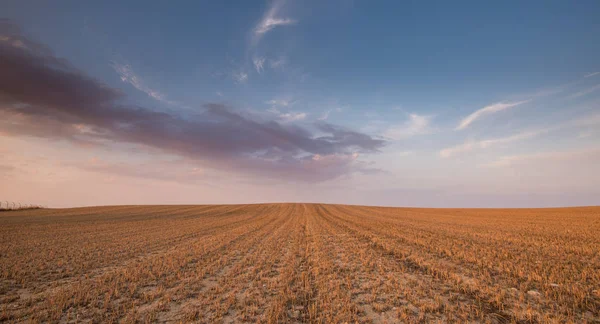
(45, 96)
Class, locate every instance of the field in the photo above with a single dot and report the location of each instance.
(300, 263)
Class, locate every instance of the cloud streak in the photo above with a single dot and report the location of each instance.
(271, 20)
(468, 146)
(44, 96)
(585, 92)
(487, 110)
(285, 117)
(483, 144)
(127, 75)
(240, 77)
(591, 74)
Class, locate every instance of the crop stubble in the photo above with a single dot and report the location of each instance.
(300, 263)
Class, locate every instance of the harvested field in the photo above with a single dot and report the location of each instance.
(300, 263)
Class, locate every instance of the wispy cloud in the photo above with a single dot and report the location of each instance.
(591, 74)
(278, 63)
(591, 155)
(326, 113)
(281, 102)
(127, 75)
(585, 92)
(483, 144)
(271, 20)
(240, 77)
(468, 146)
(259, 64)
(271, 23)
(415, 125)
(465, 122)
(285, 116)
(292, 116)
(462, 148)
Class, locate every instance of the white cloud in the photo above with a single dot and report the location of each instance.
(270, 23)
(585, 92)
(483, 144)
(292, 116)
(259, 64)
(468, 146)
(287, 116)
(280, 102)
(271, 20)
(415, 125)
(240, 77)
(591, 74)
(278, 63)
(127, 75)
(513, 138)
(326, 113)
(486, 111)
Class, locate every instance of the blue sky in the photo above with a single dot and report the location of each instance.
(393, 103)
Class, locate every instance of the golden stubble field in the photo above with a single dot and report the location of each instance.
(300, 263)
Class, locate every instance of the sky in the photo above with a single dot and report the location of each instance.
(394, 103)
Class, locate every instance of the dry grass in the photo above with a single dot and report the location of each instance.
(300, 263)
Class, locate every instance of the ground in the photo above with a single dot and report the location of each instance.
(300, 263)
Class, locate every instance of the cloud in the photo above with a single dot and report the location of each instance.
(271, 20)
(281, 102)
(240, 77)
(415, 125)
(259, 63)
(591, 120)
(483, 144)
(345, 137)
(585, 92)
(286, 116)
(465, 122)
(44, 96)
(450, 151)
(270, 23)
(589, 155)
(127, 75)
(591, 74)
(326, 113)
(278, 63)
(292, 116)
